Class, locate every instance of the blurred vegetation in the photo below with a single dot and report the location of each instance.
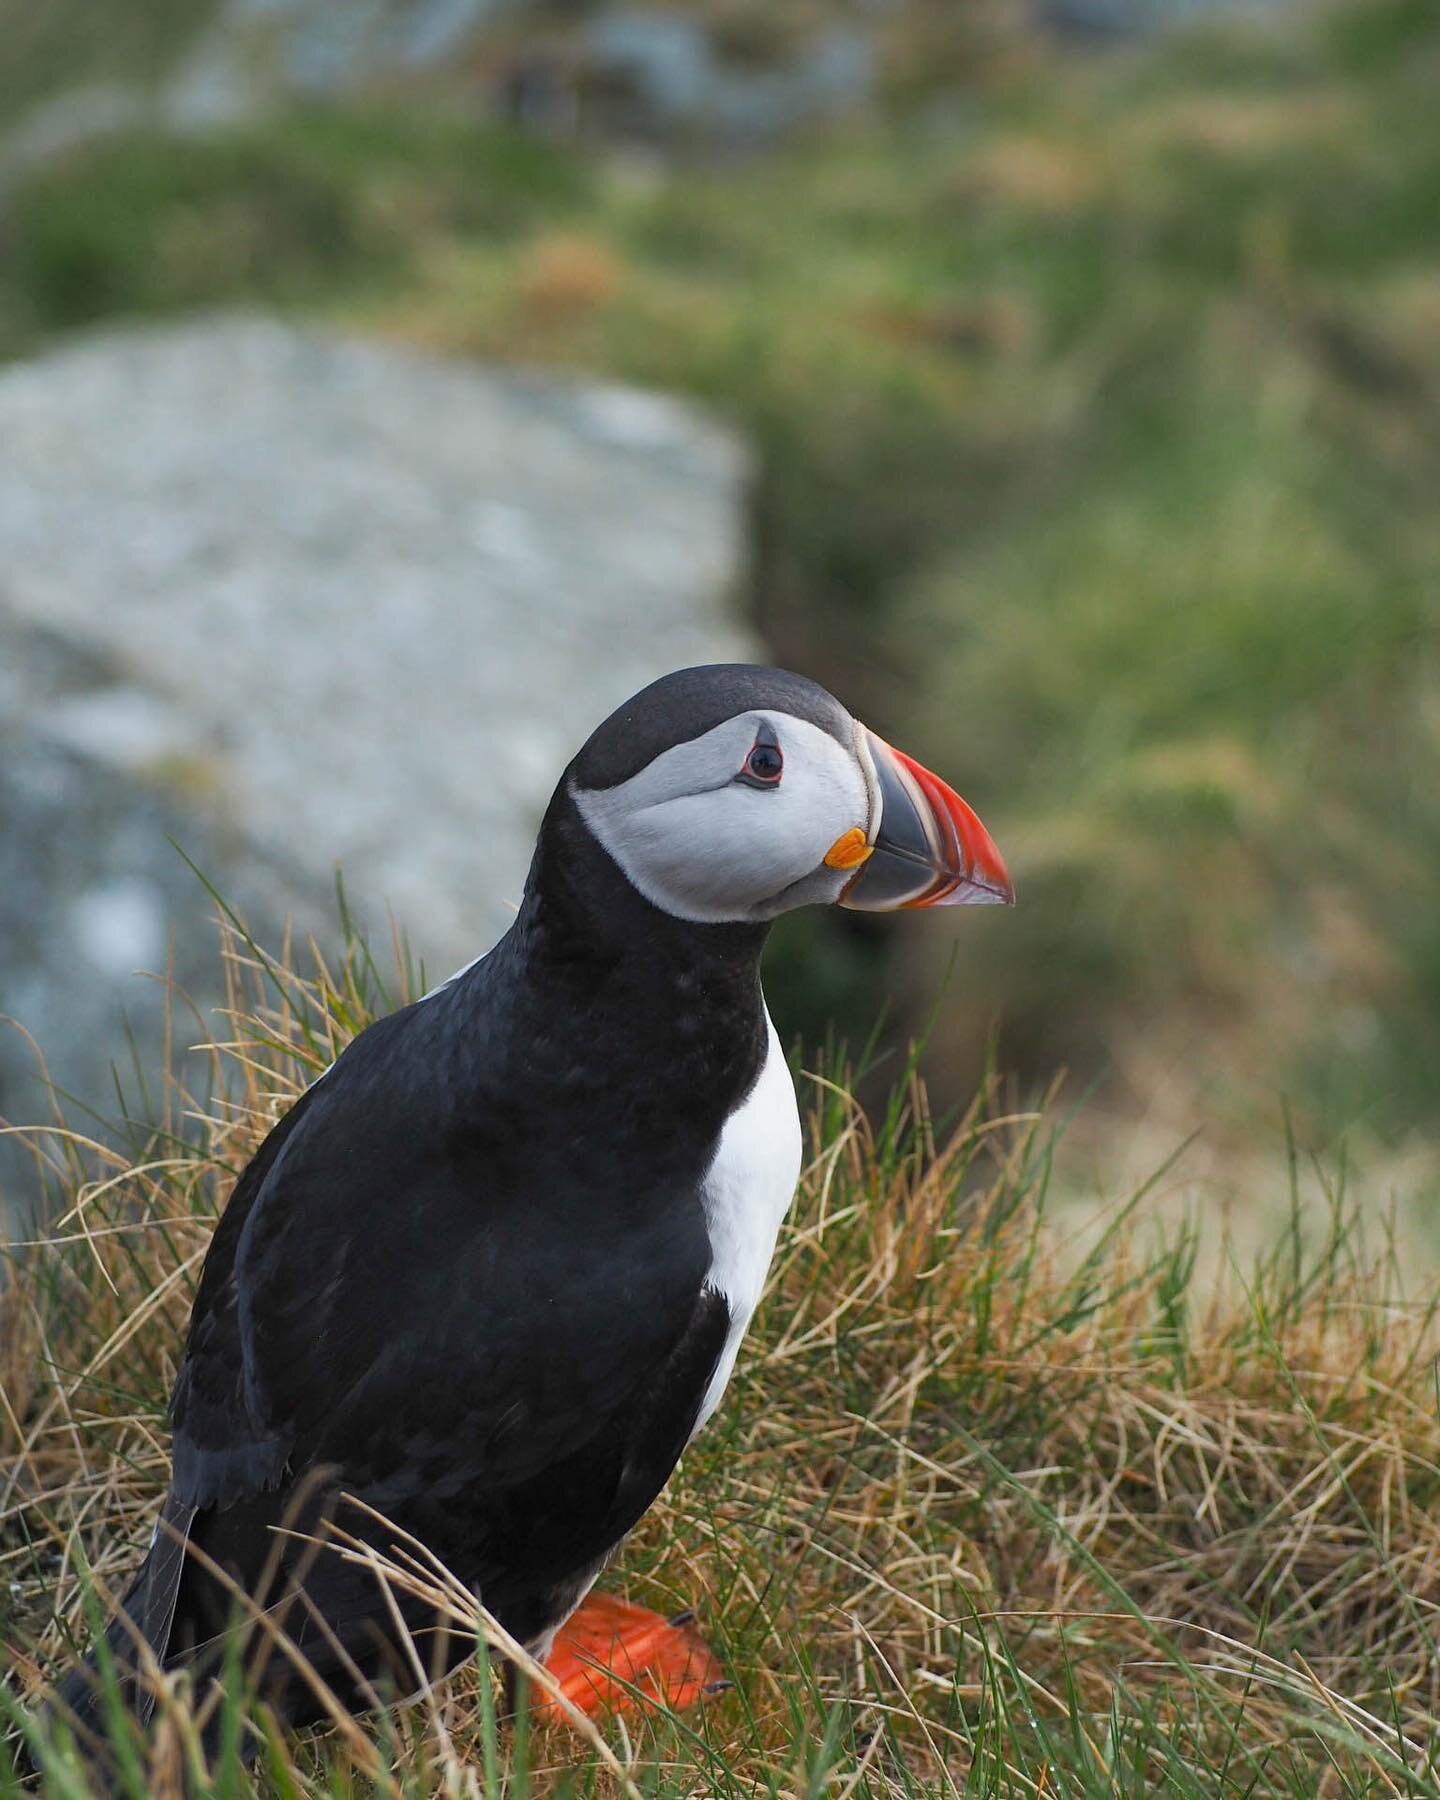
(1098, 418)
(61, 45)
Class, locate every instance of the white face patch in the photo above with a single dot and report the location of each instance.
(701, 845)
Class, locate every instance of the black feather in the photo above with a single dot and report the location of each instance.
(464, 1280)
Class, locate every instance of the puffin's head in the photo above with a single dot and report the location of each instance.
(734, 793)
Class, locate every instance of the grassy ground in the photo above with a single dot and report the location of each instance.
(977, 1519)
(1098, 412)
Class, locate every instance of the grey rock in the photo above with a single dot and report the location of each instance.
(91, 891)
(629, 70)
(297, 602)
(663, 76)
(664, 57)
(1122, 20)
(74, 117)
(238, 60)
(255, 52)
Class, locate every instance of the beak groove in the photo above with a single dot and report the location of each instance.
(928, 847)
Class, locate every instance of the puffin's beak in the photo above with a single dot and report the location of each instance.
(927, 848)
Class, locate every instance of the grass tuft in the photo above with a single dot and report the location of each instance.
(982, 1515)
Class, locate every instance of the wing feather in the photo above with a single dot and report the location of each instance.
(381, 1299)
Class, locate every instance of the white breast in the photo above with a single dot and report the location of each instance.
(747, 1193)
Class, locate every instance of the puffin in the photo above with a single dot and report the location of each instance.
(489, 1275)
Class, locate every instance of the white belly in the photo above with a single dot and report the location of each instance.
(747, 1193)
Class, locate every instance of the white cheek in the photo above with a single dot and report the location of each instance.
(720, 852)
(719, 849)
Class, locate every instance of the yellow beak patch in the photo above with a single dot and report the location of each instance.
(848, 851)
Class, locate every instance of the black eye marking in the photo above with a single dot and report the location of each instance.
(764, 765)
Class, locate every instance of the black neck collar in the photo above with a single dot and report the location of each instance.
(579, 905)
(636, 1024)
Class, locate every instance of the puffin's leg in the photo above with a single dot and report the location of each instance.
(607, 1648)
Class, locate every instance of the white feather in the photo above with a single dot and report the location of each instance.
(450, 980)
(747, 1193)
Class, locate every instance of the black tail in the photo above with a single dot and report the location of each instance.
(342, 1648)
(136, 1639)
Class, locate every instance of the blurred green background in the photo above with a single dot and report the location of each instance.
(1094, 380)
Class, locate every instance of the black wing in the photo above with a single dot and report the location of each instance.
(434, 1289)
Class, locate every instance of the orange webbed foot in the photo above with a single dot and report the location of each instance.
(609, 1648)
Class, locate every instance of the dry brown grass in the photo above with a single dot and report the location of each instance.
(974, 1520)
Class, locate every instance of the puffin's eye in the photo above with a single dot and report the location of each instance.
(763, 766)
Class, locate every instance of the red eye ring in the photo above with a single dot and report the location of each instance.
(763, 766)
